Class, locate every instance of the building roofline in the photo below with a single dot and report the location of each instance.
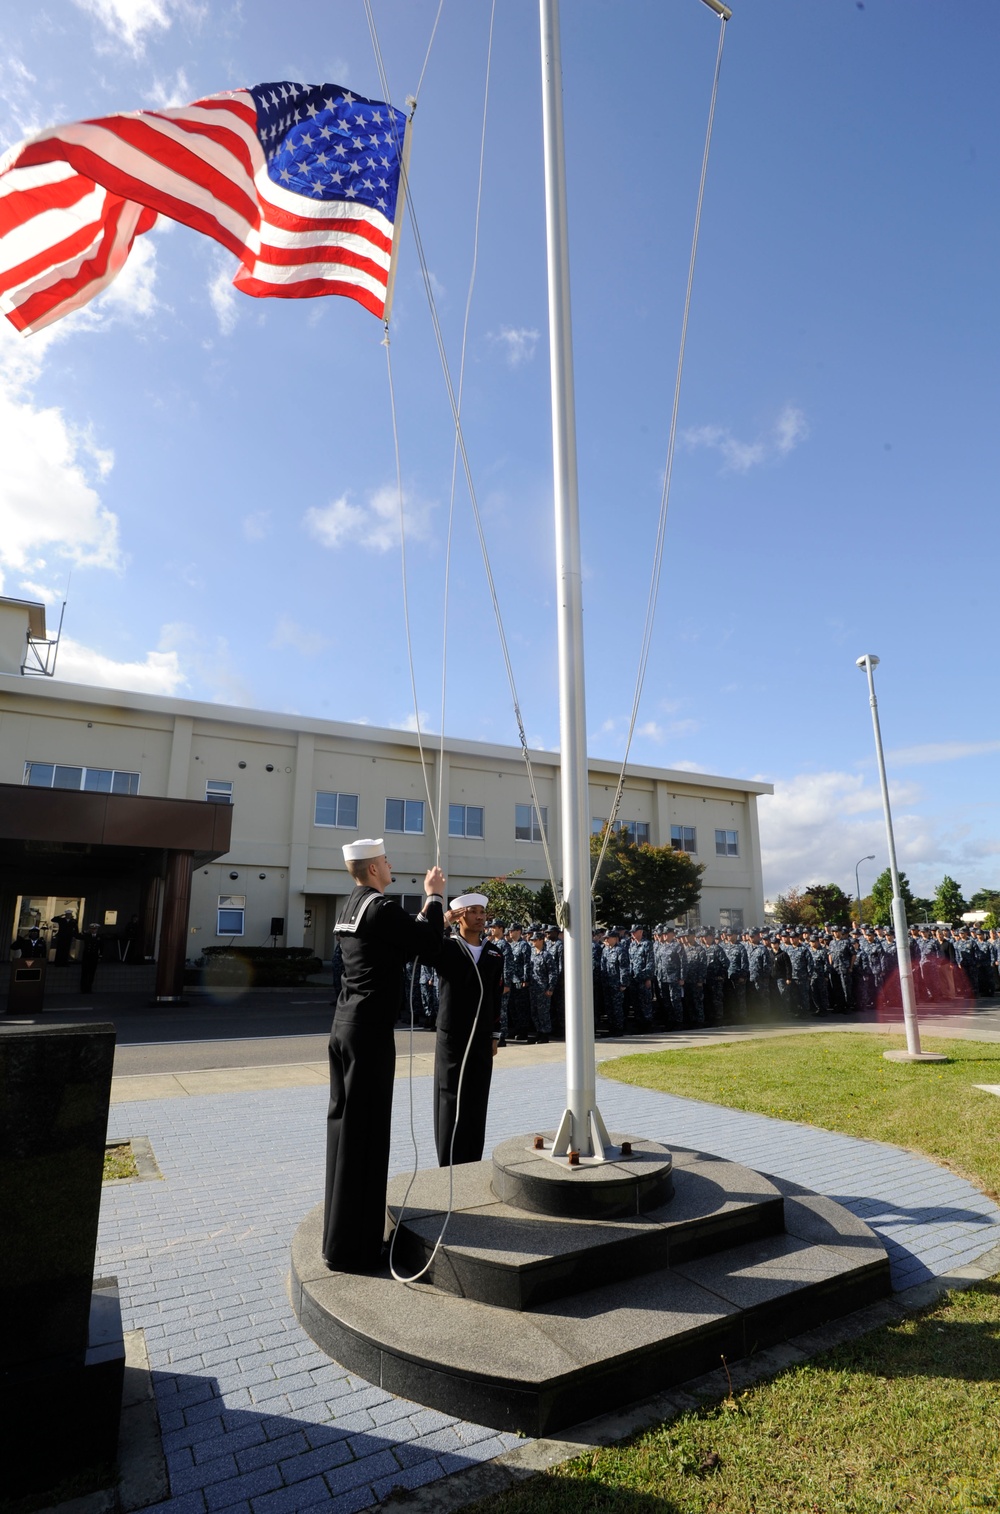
(36, 614)
(95, 694)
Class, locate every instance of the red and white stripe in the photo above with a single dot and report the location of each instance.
(74, 198)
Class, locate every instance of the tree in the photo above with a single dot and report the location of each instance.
(881, 897)
(789, 909)
(948, 902)
(923, 909)
(987, 899)
(509, 900)
(827, 903)
(643, 884)
(545, 904)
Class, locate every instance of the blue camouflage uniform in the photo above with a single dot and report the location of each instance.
(614, 981)
(715, 979)
(841, 951)
(738, 970)
(819, 979)
(695, 974)
(518, 1000)
(670, 976)
(542, 971)
(759, 967)
(800, 958)
(640, 967)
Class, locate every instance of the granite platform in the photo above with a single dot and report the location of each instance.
(529, 1322)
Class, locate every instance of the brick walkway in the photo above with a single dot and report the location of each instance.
(254, 1418)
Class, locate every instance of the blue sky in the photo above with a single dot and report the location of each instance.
(217, 471)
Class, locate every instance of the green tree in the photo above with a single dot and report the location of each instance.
(545, 904)
(948, 902)
(789, 909)
(881, 899)
(987, 899)
(509, 900)
(643, 884)
(923, 909)
(827, 902)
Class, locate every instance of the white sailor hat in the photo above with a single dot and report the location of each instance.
(357, 851)
(464, 900)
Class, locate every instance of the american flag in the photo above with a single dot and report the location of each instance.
(300, 181)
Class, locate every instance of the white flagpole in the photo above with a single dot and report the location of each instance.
(581, 1128)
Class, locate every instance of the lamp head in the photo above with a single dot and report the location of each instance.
(869, 657)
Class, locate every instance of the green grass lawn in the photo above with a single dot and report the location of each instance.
(905, 1418)
(842, 1082)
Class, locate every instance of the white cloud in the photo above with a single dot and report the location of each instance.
(518, 343)
(222, 294)
(128, 21)
(685, 766)
(288, 633)
(48, 502)
(131, 296)
(942, 751)
(783, 437)
(374, 525)
(409, 723)
(168, 95)
(211, 668)
(158, 673)
(257, 525)
(816, 826)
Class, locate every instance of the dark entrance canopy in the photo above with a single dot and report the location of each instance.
(112, 845)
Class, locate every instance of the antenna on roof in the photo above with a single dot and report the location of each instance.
(41, 652)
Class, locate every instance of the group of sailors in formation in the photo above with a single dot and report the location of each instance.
(675, 977)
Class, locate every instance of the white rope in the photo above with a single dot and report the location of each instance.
(454, 1132)
(435, 819)
(654, 583)
(461, 387)
(466, 465)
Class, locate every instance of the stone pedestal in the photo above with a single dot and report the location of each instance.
(619, 1280)
(62, 1356)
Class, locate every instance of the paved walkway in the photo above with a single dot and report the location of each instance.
(255, 1419)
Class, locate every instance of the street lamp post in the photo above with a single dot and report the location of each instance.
(857, 884)
(869, 662)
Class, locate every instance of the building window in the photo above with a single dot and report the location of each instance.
(730, 919)
(219, 791)
(596, 825)
(526, 826)
(340, 810)
(231, 914)
(54, 775)
(689, 921)
(412, 903)
(727, 843)
(406, 815)
(465, 820)
(684, 838)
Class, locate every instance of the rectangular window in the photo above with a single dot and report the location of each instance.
(730, 919)
(405, 815)
(231, 914)
(219, 791)
(465, 820)
(596, 825)
(48, 775)
(412, 903)
(337, 809)
(637, 831)
(684, 838)
(727, 843)
(526, 826)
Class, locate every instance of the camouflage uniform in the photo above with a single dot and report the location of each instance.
(640, 967)
(614, 981)
(542, 972)
(759, 960)
(695, 975)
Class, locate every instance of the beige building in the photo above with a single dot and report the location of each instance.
(299, 788)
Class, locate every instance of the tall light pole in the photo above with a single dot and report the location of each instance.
(869, 662)
(857, 883)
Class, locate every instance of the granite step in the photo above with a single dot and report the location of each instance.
(514, 1258)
